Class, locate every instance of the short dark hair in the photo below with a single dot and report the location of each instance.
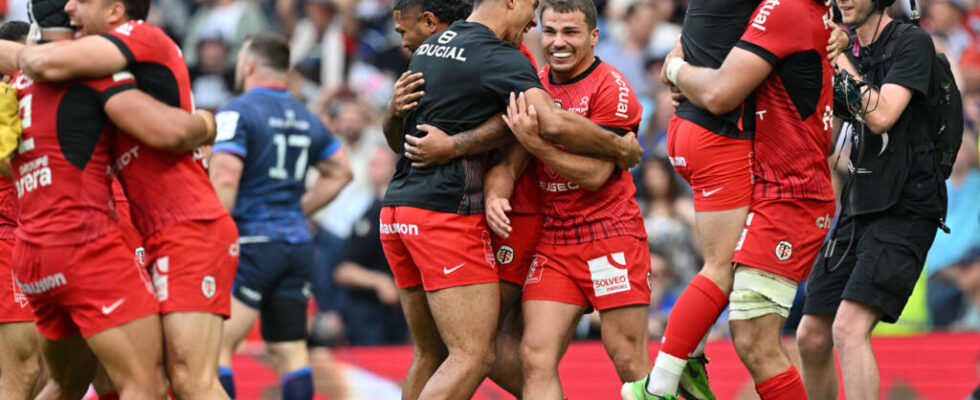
(587, 7)
(135, 9)
(15, 31)
(447, 11)
(272, 49)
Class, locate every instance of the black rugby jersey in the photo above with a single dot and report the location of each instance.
(711, 29)
(469, 75)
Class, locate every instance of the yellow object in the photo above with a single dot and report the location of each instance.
(915, 315)
(10, 129)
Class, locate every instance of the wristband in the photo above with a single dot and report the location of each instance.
(672, 68)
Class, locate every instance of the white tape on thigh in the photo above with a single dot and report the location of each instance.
(757, 293)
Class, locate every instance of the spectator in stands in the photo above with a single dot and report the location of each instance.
(668, 214)
(963, 218)
(231, 20)
(627, 54)
(317, 45)
(662, 280)
(945, 20)
(212, 81)
(967, 272)
(373, 315)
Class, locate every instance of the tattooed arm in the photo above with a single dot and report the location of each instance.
(438, 148)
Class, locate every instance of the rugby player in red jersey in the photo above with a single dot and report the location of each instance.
(782, 57)
(190, 239)
(63, 188)
(20, 356)
(593, 250)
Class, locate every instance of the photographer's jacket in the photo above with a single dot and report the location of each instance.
(891, 171)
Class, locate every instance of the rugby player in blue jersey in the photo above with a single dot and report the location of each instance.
(266, 142)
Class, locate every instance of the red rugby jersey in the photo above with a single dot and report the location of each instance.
(525, 198)
(794, 104)
(8, 209)
(574, 215)
(61, 168)
(162, 188)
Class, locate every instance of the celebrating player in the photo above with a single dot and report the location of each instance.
(593, 250)
(266, 143)
(20, 356)
(190, 240)
(416, 21)
(792, 197)
(64, 197)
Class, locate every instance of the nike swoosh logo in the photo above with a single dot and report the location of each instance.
(113, 306)
(448, 271)
(706, 193)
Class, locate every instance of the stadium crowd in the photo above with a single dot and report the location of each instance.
(345, 59)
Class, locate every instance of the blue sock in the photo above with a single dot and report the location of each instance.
(227, 379)
(297, 385)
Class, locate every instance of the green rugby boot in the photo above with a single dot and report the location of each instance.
(694, 380)
(638, 391)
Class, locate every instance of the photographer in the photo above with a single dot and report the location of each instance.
(892, 204)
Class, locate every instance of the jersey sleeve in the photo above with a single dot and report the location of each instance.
(506, 70)
(232, 131)
(330, 143)
(774, 30)
(138, 41)
(913, 57)
(112, 85)
(615, 106)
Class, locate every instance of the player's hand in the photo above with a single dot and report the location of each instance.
(522, 119)
(435, 148)
(676, 97)
(676, 52)
(208, 118)
(837, 43)
(497, 209)
(630, 152)
(406, 94)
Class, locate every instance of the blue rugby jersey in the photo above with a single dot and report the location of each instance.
(277, 139)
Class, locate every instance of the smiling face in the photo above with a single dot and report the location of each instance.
(568, 42)
(408, 24)
(524, 17)
(854, 12)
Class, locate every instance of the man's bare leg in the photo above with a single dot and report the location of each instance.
(703, 300)
(132, 354)
(815, 339)
(20, 360)
(234, 331)
(507, 371)
(625, 337)
(429, 351)
(72, 366)
(192, 341)
(759, 345)
(549, 326)
(467, 320)
(852, 337)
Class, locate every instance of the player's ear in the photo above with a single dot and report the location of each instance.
(116, 12)
(595, 37)
(429, 22)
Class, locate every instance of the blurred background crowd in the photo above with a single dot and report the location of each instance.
(346, 56)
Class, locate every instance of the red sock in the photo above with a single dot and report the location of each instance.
(696, 310)
(785, 386)
(109, 396)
